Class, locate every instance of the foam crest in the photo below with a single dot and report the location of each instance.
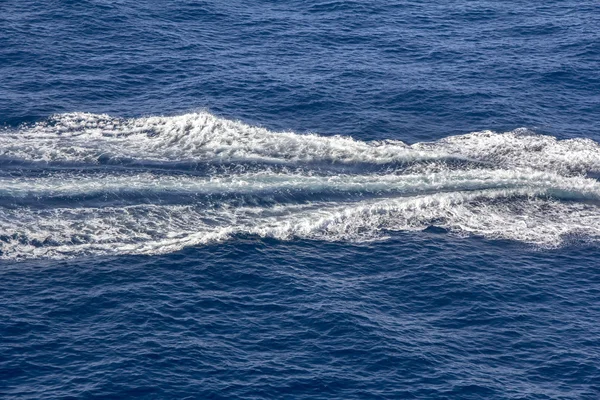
(202, 136)
(522, 148)
(528, 219)
(199, 136)
(154, 229)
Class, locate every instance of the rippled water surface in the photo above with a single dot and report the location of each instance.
(316, 199)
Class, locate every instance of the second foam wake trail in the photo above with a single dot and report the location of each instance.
(59, 197)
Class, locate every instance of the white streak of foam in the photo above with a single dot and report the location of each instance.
(521, 148)
(152, 229)
(202, 136)
(199, 136)
(77, 184)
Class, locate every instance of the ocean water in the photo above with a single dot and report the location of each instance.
(299, 199)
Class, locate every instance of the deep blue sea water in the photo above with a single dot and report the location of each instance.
(299, 199)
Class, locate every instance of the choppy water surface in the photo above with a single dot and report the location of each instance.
(306, 199)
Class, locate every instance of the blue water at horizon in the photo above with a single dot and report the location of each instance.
(164, 250)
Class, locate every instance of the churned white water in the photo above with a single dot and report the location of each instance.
(82, 184)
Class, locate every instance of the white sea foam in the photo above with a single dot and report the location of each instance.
(514, 185)
(153, 229)
(71, 185)
(203, 136)
(195, 137)
(522, 148)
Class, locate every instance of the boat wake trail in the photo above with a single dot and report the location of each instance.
(83, 184)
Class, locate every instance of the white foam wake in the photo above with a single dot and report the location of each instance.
(79, 184)
(204, 137)
(190, 137)
(154, 229)
(514, 185)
